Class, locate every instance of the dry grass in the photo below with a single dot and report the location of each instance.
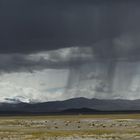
(19, 127)
(109, 116)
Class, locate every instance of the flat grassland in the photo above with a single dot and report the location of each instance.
(71, 127)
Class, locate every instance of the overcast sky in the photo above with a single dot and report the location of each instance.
(58, 49)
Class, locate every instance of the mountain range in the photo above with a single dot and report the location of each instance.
(72, 105)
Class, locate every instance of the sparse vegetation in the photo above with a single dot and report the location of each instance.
(104, 127)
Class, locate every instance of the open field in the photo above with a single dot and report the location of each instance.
(71, 127)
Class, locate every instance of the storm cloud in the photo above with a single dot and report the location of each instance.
(97, 43)
(30, 26)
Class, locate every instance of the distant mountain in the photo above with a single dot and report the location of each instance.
(80, 111)
(17, 99)
(74, 104)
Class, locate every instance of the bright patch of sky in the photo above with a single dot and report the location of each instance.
(41, 86)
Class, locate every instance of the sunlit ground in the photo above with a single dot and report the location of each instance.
(71, 127)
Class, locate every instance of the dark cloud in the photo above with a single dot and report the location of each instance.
(57, 59)
(29, 26)
(100, 33)
(19, 63)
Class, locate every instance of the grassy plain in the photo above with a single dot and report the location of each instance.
(71, 127)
